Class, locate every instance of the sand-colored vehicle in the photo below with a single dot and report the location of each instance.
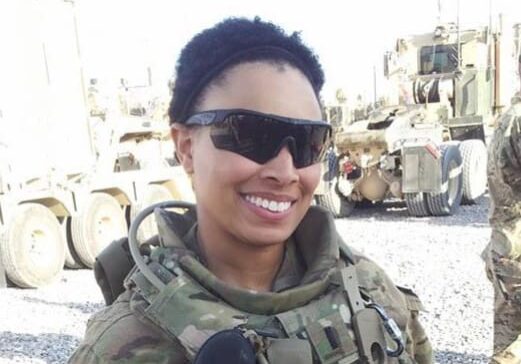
(429, 148)
(70, 182)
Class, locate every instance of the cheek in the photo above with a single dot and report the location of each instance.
(310, 177)
(216, 169)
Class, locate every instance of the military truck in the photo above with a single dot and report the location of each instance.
(69, 183)
(429, 148)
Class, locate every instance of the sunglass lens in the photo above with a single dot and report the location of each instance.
(261, 138)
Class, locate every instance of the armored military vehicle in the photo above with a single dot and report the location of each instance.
(69, 182)
(429, 148)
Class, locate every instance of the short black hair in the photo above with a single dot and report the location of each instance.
(229, 43)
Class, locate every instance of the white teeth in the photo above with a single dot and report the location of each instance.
(273, 206)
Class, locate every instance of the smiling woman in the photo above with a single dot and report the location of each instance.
(252, 273)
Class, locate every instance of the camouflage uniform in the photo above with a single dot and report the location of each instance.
(129, 330)
(503, 253)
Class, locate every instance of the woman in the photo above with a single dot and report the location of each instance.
(252, 261)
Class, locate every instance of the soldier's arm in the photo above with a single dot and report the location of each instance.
(418, 344)
(505, 153)
(120, 345)
(84, 355)
(504, 182)
(87, 354)
(116, 335)
(402, 304)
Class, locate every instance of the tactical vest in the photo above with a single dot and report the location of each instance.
(327, 321)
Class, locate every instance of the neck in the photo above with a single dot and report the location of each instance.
(240, 264)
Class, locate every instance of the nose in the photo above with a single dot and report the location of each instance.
(280, 168)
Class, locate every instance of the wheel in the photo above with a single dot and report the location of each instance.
(332, 199)
(153, 194)
(417, 204)
(33, 247)
(72, 260)
(474, 156)
(448, 200)
(100, 221)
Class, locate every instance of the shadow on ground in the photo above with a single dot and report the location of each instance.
(49, 348)
(395, 210)
(85, 307)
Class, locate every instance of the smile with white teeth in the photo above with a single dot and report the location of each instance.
(269, 205)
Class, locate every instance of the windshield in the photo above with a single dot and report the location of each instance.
(438, 59)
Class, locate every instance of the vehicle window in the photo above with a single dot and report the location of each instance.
(438, 59)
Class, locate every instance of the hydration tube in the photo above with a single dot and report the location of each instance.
(134, 243)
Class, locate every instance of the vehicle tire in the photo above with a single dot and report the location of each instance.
(100, 221)
(33, 247)
(448, 200)
(417, 204)
(153, 194)
(332, 199)
(72, 260)
(474, 156)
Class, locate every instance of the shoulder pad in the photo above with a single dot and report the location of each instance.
(113, 264)
(413, 301)
(111, 267)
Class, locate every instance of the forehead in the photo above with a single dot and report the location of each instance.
(265, 87)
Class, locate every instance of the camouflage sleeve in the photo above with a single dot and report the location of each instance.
(116, 335)
(85, 355)
(504, 179)
(418, 343)
(400, 303)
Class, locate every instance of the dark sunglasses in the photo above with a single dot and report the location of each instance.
(260, 137)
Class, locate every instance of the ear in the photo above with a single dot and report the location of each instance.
(183, 140)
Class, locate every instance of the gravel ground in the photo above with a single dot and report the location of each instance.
(437, 257)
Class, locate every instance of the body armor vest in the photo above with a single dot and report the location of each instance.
(327, 321)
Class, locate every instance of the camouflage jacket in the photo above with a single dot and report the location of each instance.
(124, 333)
(504, 180)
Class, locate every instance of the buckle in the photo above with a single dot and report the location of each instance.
(392, 329)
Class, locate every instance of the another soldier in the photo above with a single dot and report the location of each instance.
(503, 254)
(251, 273)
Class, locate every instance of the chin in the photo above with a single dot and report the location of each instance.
(266, 236)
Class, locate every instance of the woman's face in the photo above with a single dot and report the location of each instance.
(229, 188)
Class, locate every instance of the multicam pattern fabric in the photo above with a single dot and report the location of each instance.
(147, 325)
(503, 253)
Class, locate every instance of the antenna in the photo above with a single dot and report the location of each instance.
(459, 42)
(439, 11)
(374, 87)
(489, 16)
